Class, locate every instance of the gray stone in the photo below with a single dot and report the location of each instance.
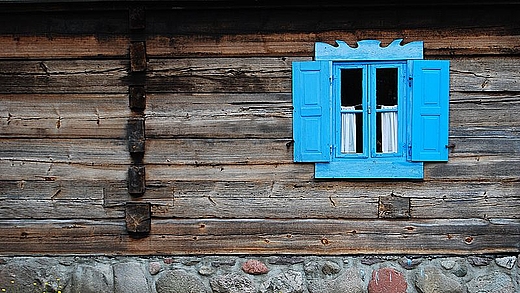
(224, 262)
(154, 267)
(330, 268)
(507, 262)
(448, 264)
(432, 280)
(285, 282)
(312, 270)
(479, 261)
(93, 279)
(348, 282)
(179, 281)
(130, 278)
(460, 269)
(206, 270)
(285, 260)
(409, 263)
(232, 283)
(456, 266)
(492, 283)
(371, 260)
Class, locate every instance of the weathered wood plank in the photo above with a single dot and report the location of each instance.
(248, 75)
(464, 168)
(111, 192)
(264, 237)
(218, 151)
(263, 199)
(219, 115)
(447, 43)
(206, 75)
(329, 199)
(488, 168)
(270, 115)
(64, 76)
(274, 74)
(70, 151)
(272, 151)
(46, 47)
(50, 171)
(64, 116)
(485, 74)
(59, 209)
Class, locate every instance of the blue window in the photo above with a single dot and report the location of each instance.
(370, 111)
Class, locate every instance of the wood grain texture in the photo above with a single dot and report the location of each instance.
(63, 76)
(97, 116)
(44, 47)
(220, 75)
(290, 199)
(260, 236)
(220, 176)
(447, 43)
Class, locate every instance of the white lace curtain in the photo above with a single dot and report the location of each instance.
(348, 131)
(388, 130)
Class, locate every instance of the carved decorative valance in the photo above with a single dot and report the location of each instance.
(368, 50)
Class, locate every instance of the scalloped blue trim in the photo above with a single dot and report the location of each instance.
(368, 50)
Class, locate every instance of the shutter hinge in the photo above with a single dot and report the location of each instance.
(410, 79)
(410, 150)
(331, 79)
(331, 149)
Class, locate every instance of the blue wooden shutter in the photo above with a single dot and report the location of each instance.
(430, 109)
(311, 115)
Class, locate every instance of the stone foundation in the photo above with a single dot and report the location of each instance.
(262, 274)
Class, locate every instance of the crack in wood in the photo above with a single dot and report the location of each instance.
(332, 201)
(55, 194)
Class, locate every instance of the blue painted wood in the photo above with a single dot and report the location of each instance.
(430, 109)
(369, 50)
(369, 168)
(312, 111)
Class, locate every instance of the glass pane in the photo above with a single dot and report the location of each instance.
(386, 87)
(352, 88)
(386, 104)
(351, 100)
(386, 123)
(351, 132)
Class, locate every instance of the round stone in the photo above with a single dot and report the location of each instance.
(387, 280)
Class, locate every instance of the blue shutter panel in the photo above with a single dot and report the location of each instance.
(430, 109)
(311, 115)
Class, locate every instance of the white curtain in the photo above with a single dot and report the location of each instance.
(389, 130)
(348, 130)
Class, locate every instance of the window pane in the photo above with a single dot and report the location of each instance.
(351, 132)
(386, 87)
(386, 104)
(352, 88)
(351, 100)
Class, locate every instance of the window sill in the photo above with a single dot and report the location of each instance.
(369, 168)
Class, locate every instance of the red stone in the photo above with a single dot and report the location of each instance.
(255, 267)
(387, 280)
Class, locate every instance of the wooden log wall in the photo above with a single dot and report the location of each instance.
(218, 154)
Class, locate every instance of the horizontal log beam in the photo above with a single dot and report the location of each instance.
(258, 199)
(210, 236)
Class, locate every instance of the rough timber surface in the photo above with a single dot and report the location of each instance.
(185, 236)
(220, 176)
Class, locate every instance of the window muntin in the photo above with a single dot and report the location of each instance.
(367, 103)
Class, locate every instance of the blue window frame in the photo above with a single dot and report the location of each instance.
(370, 111)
